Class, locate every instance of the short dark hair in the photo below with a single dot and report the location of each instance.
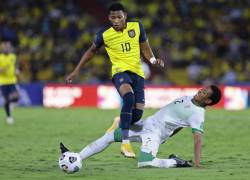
(216, 95)
(116, 6)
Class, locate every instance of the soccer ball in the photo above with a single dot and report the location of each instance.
(70, 162)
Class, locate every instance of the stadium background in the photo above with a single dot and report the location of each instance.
(200, 41)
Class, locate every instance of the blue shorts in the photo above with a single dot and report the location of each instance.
(136, 82)
(8, 89)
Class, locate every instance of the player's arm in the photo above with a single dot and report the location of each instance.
(148, 54)
(85, 58)
(197, 147)
(145, 48)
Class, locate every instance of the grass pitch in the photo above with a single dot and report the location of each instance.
(30, 148)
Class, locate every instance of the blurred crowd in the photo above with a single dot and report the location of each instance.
(201, 41)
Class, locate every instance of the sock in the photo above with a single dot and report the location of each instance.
(125, 135)
(133, 136)
(7, 108)
(126, 113)
(125, 141)
(144, 157)
(97, 146)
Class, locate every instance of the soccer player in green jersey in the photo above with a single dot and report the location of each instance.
(186, 111)
(8, 78)
(125, 41)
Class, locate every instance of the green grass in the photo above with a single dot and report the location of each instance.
(29, 148)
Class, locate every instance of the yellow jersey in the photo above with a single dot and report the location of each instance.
(8, 63)
(123, 47)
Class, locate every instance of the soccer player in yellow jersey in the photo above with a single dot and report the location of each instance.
(125, 41)
(8, 78)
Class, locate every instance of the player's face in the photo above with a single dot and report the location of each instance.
(5, 47)
(203, 95)
(117, 19)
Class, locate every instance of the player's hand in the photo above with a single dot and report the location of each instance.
(156, 62)
(159, 62)
(197, 165)
(69, 79)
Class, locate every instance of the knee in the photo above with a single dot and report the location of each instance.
(14, 97)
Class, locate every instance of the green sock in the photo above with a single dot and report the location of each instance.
(118, 135)
(143, 157)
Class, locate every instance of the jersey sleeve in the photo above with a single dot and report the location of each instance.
(197, 122)
(143, 36)
(99, 39)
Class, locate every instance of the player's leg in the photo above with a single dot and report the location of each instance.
(109, 137)
(149, 149)
(7, 108)
(10, 95)
(5, 93)
(122, 83)
(126, 119)
(12, 99)
(102, 143)
(14, 95)
(138, 88)
(126, 111)
(97, 146)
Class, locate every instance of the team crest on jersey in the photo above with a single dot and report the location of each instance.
(131, 33)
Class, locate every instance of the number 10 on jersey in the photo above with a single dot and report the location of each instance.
(126, 47)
